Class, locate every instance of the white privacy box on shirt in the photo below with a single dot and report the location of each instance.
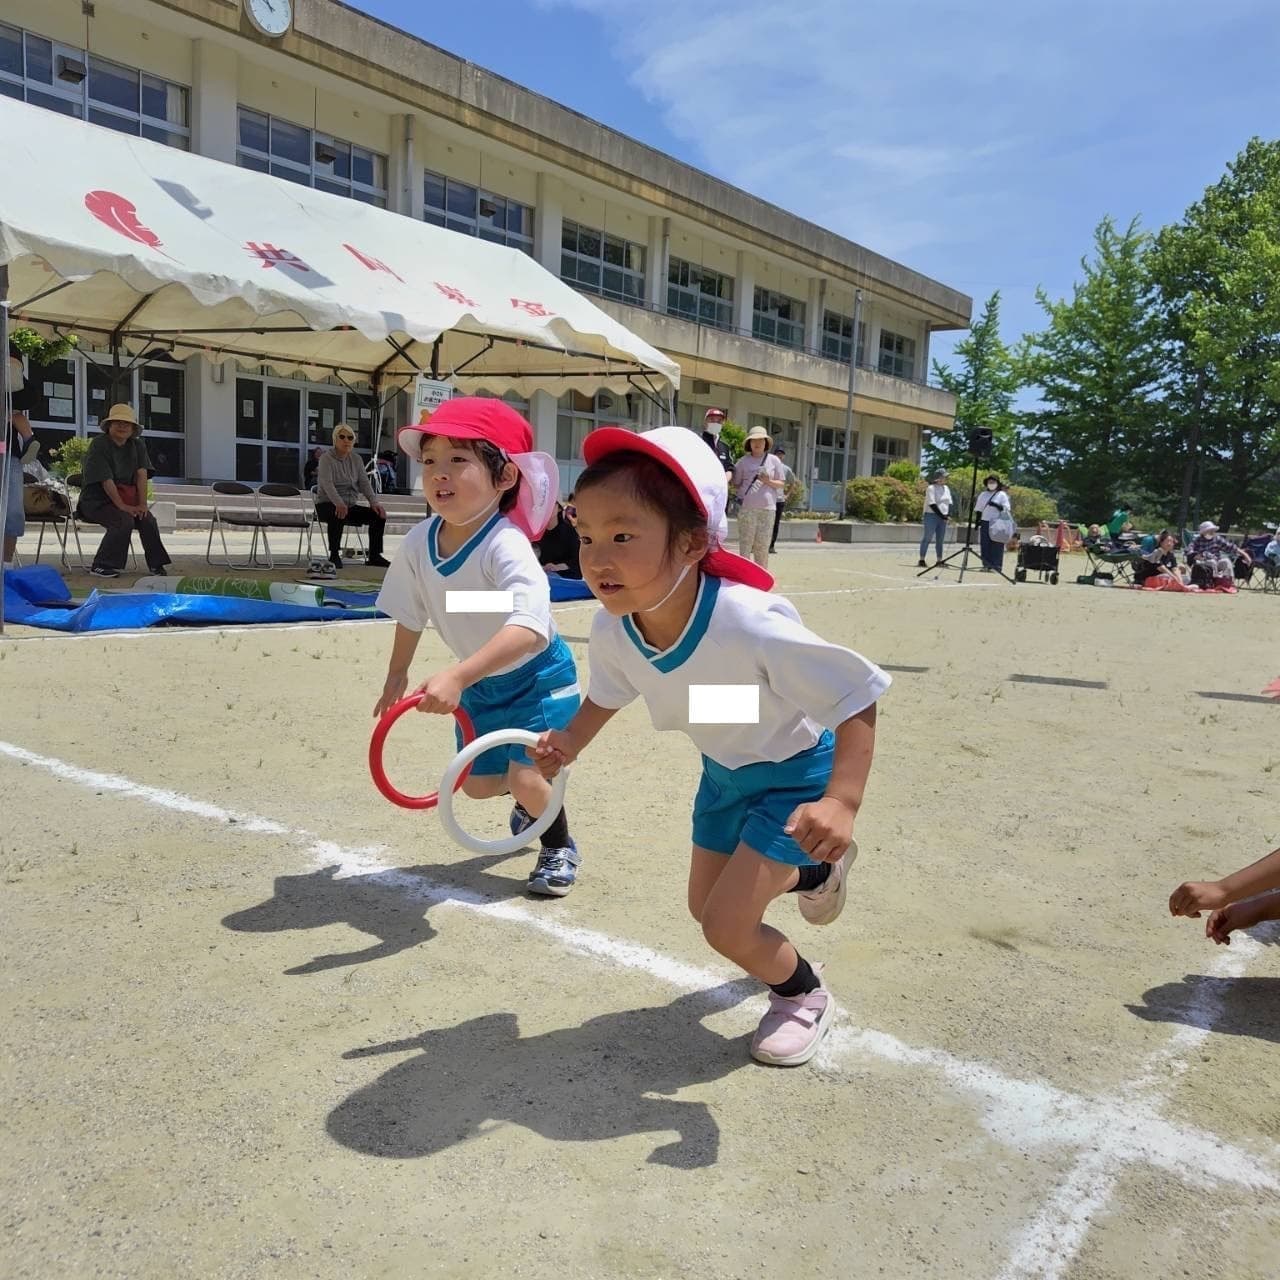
(724, 704)
(480, 602)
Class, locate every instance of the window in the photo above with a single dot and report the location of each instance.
(453, 204)
(705, 297)
(64, 79)
(580, 413)
(885, 450)
(828, 456)
(777, 318)
(837, 332)
(897, 355)
(596, 262)
(311, 159)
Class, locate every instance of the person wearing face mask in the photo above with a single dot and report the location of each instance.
(992, 502)
(341, 481)
(712, 421)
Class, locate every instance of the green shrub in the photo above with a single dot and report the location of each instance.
(864, 499)
(901, 501)
(905, 471)
(69, 456)
(796, 496)
(734, 438)
(1030, 506)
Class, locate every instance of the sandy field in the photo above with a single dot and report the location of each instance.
(260, 1023)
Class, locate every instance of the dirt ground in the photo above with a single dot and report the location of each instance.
(259, 1023)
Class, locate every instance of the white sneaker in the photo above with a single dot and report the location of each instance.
(826, 902)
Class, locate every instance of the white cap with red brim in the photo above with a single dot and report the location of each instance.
(687, 457)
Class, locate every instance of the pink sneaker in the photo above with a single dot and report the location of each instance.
(826, 902)
(792, 1028)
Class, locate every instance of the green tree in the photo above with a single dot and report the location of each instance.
(984, 386)
(1216, 275)
(1096, 371)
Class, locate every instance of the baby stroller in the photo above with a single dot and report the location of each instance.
(1037, 555)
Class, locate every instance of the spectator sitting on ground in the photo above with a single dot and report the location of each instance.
(1215, 555)
(558, 548)
(1159, 561)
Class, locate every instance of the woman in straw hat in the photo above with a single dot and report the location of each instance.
(759, 480)
(114, 495)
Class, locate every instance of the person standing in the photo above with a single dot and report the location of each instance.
(992, 502)
(712, 421)
(937, 511)
(757, 478)
(788, 476)
(17, 440)
(341, 481)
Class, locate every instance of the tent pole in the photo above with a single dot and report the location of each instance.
(435, 356)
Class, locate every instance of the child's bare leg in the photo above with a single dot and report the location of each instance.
(529, 788)
(486, 787)
(705, 867)
(733, 915)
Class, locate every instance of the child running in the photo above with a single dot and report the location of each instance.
(1238, 901)
(776, 804)
(489, 494)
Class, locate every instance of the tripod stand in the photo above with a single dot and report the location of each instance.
(964, 552)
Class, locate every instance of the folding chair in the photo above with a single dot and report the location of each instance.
(318, 525)
(285, 508)
(62, 525)
(1119, 562)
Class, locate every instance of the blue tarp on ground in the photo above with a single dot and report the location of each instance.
(38, 597)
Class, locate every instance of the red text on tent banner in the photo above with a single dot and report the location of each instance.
(532, 308)
(271, 256)
(120, 215)
(454, 294)
(374, 264)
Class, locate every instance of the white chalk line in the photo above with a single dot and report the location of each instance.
(1025, 1115)
(1046, 1247)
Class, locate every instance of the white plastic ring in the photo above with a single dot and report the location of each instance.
(508, 844)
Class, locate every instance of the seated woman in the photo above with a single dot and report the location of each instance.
(341, 481)
(1159, 562)
(114, 495)
(558, 549)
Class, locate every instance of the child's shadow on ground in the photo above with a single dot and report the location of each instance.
(1247, 1006)
(389, 905)
(575, 1084)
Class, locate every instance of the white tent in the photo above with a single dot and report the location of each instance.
(134, 244)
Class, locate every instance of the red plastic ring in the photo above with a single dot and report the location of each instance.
(380, 731)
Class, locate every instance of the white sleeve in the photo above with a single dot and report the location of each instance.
(824, 680)
(608, 685)
(402, 596)
(512, 565)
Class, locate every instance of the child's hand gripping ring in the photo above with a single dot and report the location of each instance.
(380, 731)
(458, 770)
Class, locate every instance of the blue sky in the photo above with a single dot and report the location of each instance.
(979, 144)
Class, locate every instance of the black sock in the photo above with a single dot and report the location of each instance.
(812, 878)
(556, 836)
(800, 983)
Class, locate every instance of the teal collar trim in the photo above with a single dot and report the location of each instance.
(680, 652)
(447, 565)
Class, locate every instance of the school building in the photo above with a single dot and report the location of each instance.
(755, 304)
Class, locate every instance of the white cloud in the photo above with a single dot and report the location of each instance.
(920, 128)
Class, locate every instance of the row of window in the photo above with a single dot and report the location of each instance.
(68, 80)
(65, 79)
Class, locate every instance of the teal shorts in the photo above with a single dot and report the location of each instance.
(751, 805)
(543, 694)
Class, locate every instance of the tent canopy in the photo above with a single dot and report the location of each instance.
(129, 241)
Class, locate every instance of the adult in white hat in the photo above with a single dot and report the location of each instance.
(1214, 556)
(114, 495)
(758, 480)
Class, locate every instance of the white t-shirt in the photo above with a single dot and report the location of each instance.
(1272, 551)
(989, 504)
(497, 557)
(736, 635)
(938, 495)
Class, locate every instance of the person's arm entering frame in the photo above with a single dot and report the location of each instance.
(824, 828)
(1234, 900)
(559, 747)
